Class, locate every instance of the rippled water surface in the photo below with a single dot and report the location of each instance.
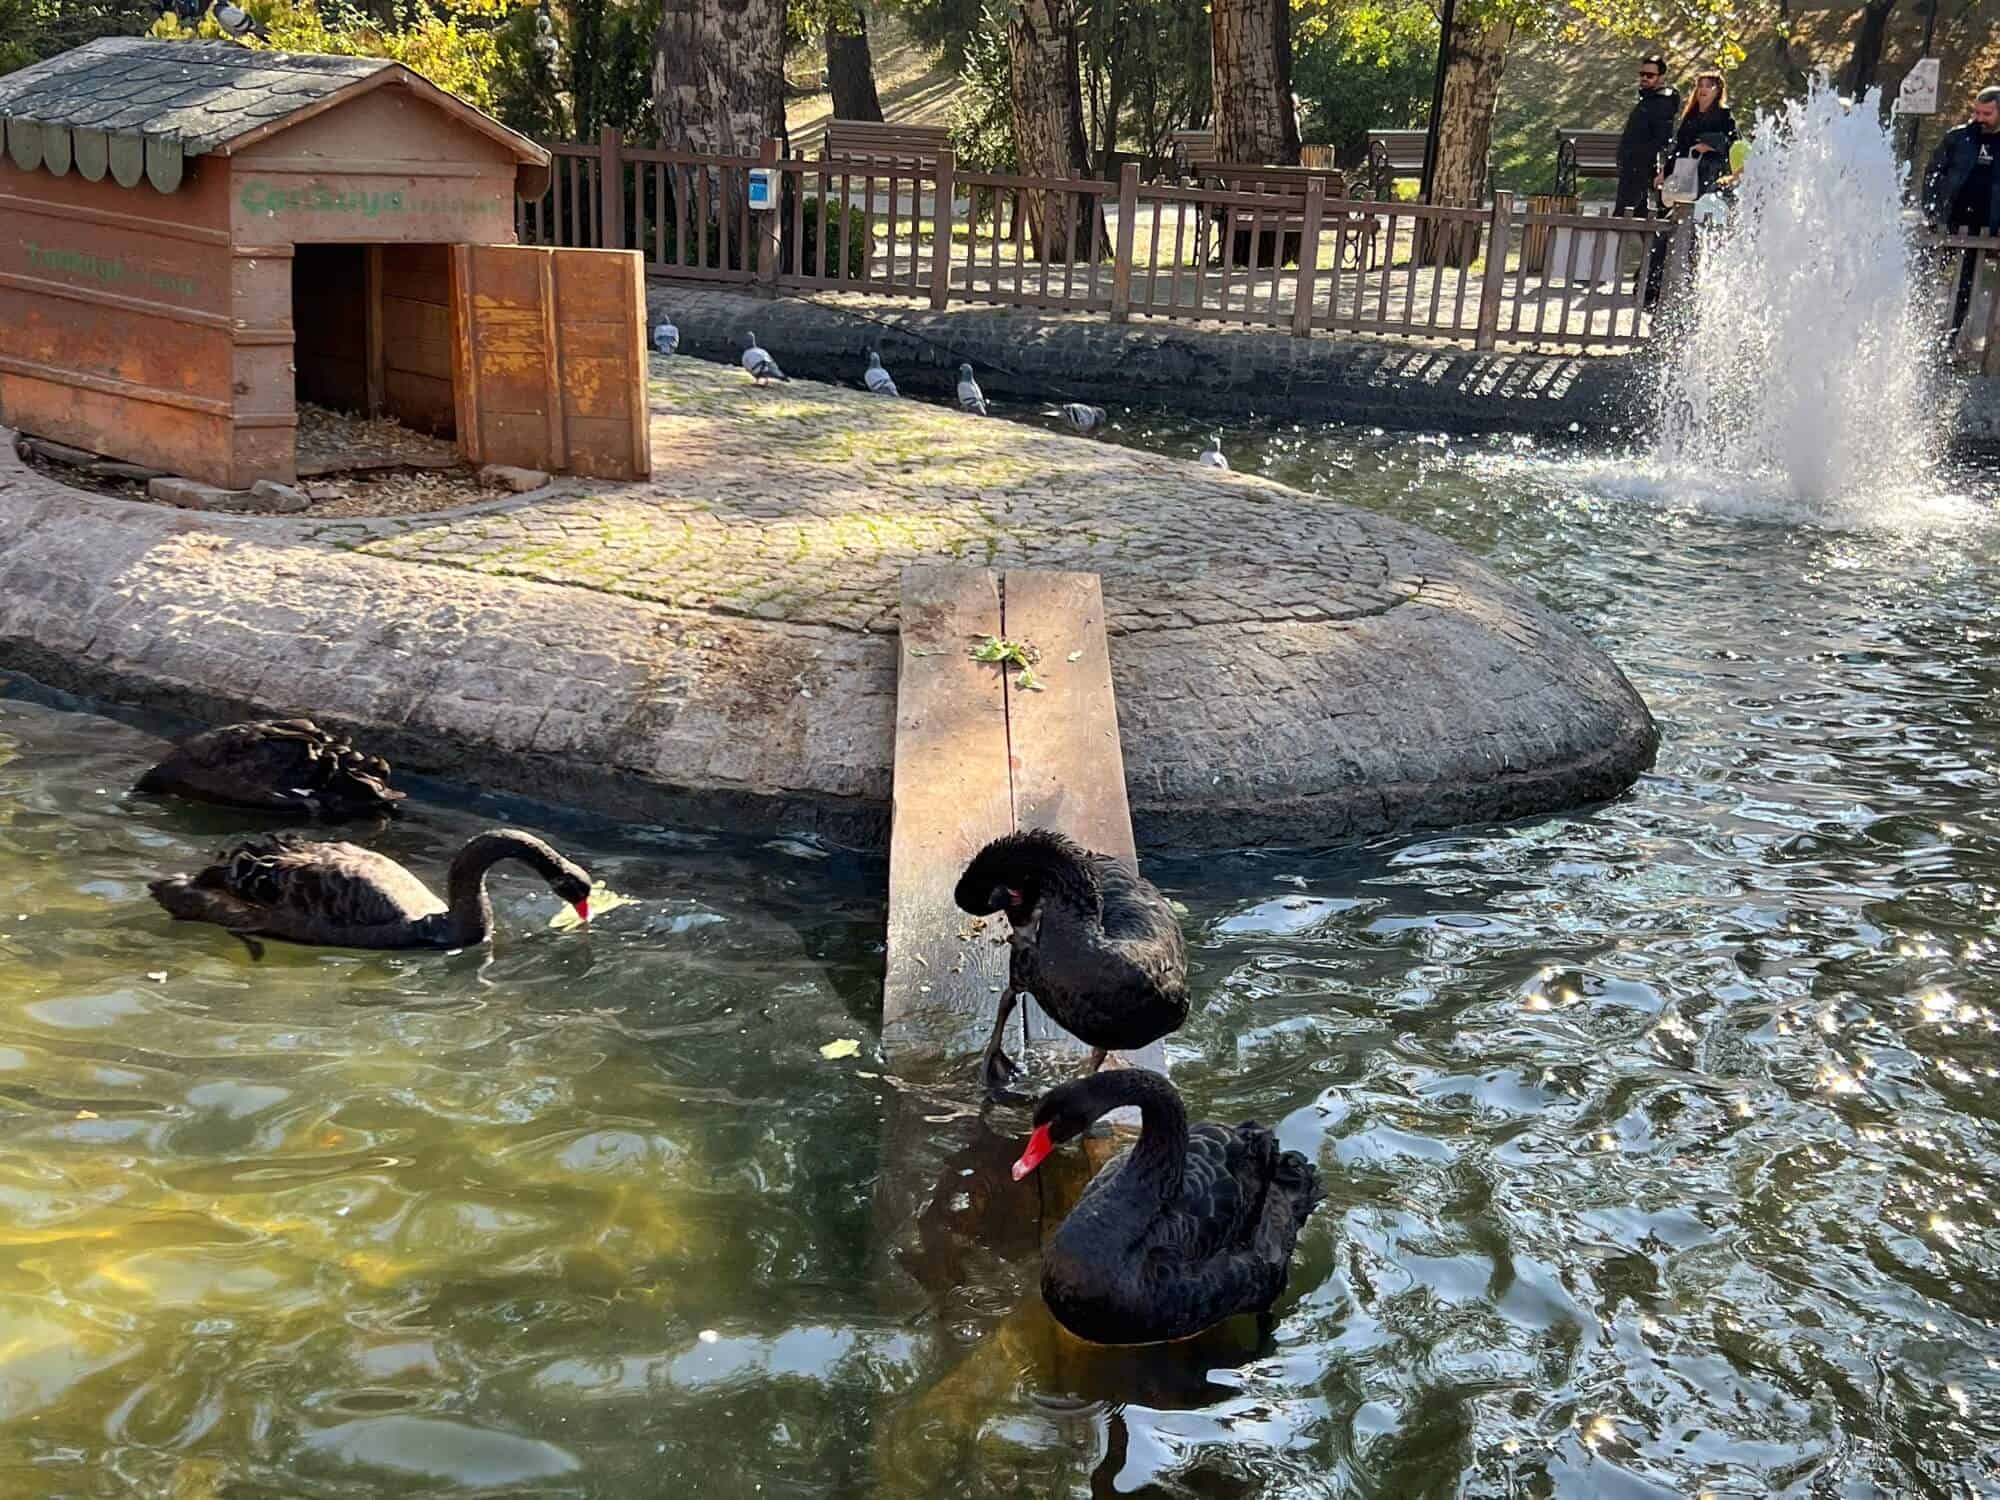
(1660, 1139)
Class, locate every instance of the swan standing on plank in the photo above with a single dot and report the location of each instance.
(1078, 417)
(759, 362)
(970, 397)
(1185, 1229)
(878, 379)
(343, 896)
(1094, 942)
(280, 765)
(1211, 456)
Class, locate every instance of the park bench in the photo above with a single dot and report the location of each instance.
(1393, 155)
(1584, 153)
(1286, 187)
(1193, 152)
(916, 146)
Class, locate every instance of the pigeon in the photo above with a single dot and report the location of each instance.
(970, 397)
(667, 338)
(877, 379)
(1080, 418)
(235, 20)
(759, 362)
(1211, 456)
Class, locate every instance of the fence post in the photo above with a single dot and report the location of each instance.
(1305, 289)
(1495, 275)
(771, 223)
(1677, 277)
(941, 232)
(611, 188)
(1988, 259)
(1121, 266)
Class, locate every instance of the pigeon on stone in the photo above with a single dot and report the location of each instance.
(759, 363)
(1078, 417)
(1211, 456)
(666, 338)
(877, 379)
(970, 397)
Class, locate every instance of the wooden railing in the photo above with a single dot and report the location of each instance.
(1304, 262)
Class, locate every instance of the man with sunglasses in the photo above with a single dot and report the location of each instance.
(1648, 134)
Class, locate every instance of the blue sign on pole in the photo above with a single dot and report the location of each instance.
(760, 187)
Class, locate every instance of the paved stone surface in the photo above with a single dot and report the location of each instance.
(1028, 354)
(718, 644)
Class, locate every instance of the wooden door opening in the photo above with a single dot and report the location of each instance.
(371, 332)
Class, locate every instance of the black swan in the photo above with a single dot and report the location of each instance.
(1095, 943)
(344, 896)
(281, 765)
(1185, 1229)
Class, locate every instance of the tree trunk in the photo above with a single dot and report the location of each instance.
(1048, 125)
(1867, 56)
(1475, 57)
(1251, 41)
(850, 71)
(719, 75)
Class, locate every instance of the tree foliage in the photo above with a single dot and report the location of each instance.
(1714, 29)
(31, 30)
(981, 119)
(1362, 65)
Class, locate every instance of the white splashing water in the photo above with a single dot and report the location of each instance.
(1805, 370)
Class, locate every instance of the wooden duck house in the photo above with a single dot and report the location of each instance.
(195, 237)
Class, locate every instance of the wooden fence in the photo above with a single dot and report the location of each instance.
(1499, 274)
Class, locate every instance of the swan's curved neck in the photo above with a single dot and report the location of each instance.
(1159, 1161)
(471, 909)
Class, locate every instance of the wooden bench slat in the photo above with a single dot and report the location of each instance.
(952, 794)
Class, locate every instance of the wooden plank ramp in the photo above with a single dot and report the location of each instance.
(978, 755)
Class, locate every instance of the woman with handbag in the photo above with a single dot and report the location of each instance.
(1706, 132)
(1698, 157)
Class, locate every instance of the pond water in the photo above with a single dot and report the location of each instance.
(1660, 1139)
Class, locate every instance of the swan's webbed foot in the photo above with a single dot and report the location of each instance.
(256, 948)
(997, 1070)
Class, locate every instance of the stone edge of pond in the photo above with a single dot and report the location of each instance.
(1203, 370)
(656, 715)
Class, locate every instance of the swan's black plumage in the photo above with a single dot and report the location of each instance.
(1187, 1228)
(280, 765)
(344, 896)
(1093, 941)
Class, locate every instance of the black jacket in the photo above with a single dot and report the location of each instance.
(1649, 130)
(1715, 129)
(1951, 164)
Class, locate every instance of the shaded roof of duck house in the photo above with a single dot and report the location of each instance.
(120, 101)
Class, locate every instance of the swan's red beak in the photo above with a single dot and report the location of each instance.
(583, 910)
(1039, 1147)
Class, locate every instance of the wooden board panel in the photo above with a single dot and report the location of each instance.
(951, 796)
(549, 349)
(601, 328)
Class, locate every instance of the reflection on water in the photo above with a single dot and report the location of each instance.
(1660, 1140)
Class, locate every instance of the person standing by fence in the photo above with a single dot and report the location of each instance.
(1706, 132)
(1643, 145)
(1959, 189)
